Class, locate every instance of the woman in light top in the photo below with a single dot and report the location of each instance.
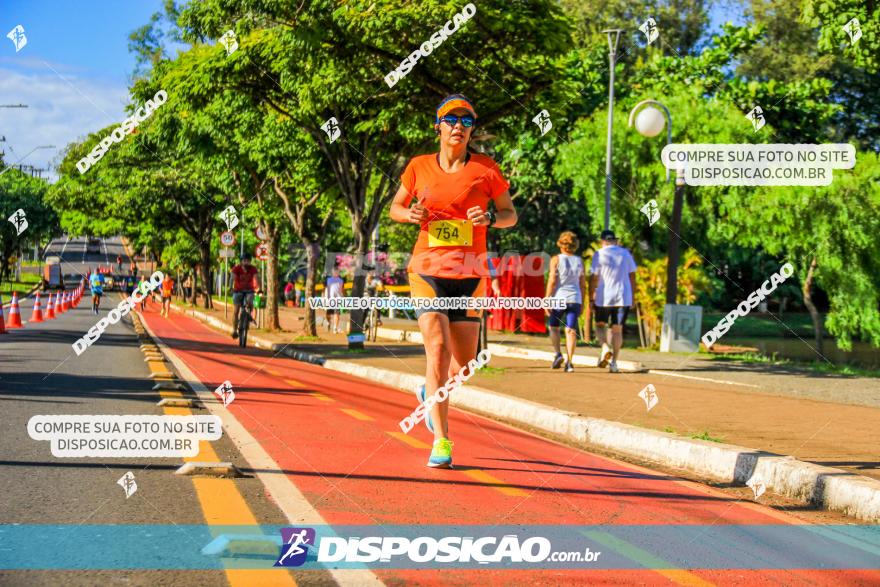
(568, 282)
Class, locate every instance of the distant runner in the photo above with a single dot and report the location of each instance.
(96, 283)
(167, 292)
(145, 292)
(612, 283)
(567, 282)
(452, 190)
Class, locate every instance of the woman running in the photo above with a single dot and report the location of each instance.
(567, 282)
(452, 190)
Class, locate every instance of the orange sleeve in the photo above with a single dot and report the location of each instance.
(496, 182)
(408, 180)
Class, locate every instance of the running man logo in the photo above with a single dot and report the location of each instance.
(19, 220)
(652, 211)
(128, 484)
(229, 217)
(225, 393)
(17, 37)
(649, 394)
(756, 116)
(294, 547)
(331, 127)
(543, 121)
(757, 486)
(229, 41)
(854, 30)
(649, 27)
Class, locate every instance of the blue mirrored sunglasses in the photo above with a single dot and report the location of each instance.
(467, 120)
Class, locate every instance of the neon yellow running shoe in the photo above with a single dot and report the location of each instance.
(441, 455)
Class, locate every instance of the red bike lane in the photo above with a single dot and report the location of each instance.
(338, 440)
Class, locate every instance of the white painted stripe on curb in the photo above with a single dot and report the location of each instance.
(671, 374)
(292, 503)
(511, 352)
(832, 488)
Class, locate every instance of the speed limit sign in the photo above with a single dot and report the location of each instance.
(227, 239)
(262, 252)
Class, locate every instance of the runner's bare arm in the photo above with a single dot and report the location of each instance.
(551, 283)
(505, 213)
(594, 283)
(400, 212)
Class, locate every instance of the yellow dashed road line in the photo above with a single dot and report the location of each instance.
(495, 482)
(356, 414)
(407, 439)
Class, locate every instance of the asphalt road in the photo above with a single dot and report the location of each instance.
(41, 374)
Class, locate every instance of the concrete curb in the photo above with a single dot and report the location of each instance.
(832, 489)
(826, 487)
(512, 352)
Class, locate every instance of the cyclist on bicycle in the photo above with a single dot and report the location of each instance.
(96, 283)
(244, 284)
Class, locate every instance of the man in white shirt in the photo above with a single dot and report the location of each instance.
(612, 283)
(333, 289)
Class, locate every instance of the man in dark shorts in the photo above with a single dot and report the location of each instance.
(244, 285)
(612, 284)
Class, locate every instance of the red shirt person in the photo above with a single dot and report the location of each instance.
(244, 284)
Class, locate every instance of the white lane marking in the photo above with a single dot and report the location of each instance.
(671, 374)
(65, 246)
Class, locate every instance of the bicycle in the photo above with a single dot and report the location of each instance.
(245, 318)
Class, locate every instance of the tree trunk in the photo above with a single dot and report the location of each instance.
(205, 266)
(311, 271)
(272, 321)
(356, 324)
(808, 302)
(193, 286)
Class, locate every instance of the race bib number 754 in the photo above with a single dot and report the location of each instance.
(450, 233)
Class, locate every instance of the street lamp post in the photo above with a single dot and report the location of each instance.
(650, 123)
(681, 324)
(612, 62)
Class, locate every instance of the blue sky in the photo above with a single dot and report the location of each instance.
(72, 73)
(75, 69)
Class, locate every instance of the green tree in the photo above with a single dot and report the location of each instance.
(292, 68)
(20, 191)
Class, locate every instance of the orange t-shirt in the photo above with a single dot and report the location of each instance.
(448, 196)
(167, 287)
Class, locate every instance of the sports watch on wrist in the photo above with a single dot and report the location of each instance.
(491, 216)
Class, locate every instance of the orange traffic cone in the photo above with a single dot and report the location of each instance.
(14, 314)
(2, 324)
(59, 303)
(37, 315)
(50, 309)
(65, 304)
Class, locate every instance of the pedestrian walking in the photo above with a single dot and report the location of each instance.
(612, 287)
(568, 283)
(333, 289)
